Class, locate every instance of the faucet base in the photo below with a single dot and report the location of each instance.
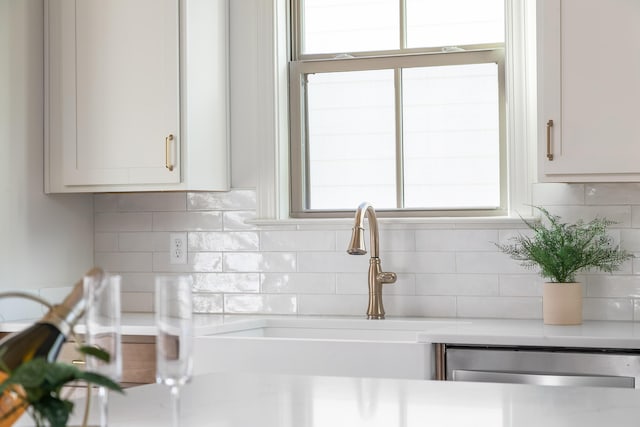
(374, 317)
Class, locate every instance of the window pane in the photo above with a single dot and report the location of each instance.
(432, 23)
(342, 26)
(351, 134)
(451, 136)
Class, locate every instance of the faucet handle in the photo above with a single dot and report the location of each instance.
(387, 277)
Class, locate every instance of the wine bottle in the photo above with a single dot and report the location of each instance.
(42, 339)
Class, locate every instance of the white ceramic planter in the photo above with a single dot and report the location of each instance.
(562, 303)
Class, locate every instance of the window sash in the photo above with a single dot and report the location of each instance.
(299, 162)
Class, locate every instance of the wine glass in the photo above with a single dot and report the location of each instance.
(102, 317)
(174, 340)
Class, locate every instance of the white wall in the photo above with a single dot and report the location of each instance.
(47, 241)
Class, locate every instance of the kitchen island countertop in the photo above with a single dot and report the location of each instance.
(247, 400)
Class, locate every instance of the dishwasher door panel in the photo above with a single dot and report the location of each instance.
(551, 367)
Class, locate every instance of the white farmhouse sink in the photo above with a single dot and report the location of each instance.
(320, 346)
(325, 334)
(333, 329)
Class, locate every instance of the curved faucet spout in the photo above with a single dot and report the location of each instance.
(356, 246)
(377, 277)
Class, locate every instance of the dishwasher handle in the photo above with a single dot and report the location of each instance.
(543, 379)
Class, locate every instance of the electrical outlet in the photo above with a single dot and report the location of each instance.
(178, 248)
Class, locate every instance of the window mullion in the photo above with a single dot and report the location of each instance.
(403, 24)
(399, 139)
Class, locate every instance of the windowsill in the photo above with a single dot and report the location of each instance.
(462, 222)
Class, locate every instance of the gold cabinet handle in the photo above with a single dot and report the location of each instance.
(549, 153)
(167, 152)
(78, 362)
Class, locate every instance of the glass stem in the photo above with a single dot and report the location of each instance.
(175, 401)
(103, 394)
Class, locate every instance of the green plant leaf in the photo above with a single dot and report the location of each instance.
(560, 250)
(42, 382)
(96, 352)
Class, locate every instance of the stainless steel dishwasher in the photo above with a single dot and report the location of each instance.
(538, 365)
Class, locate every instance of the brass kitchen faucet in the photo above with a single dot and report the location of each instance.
(377, 277)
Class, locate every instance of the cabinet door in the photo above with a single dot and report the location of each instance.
(120, 121)
(589, 86)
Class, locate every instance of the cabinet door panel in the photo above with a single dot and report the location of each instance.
(127, 101)
(590, 89)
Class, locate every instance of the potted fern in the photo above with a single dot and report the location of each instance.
(560, 251)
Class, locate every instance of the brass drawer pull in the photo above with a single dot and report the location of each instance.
(77, 362)
(549, 153)
(167, 147)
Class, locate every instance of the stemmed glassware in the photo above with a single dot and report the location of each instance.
(174, 340)
(102, 317)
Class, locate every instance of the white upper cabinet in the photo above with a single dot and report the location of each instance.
(136, 95)
(589, 87)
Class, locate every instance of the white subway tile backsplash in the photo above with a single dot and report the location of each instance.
(475, 240)
(228, 241)
(336, 305)
(332, 262)
(627, 193)
(487, 263)
(196, 262)
(208, 303)
(635, 216)
(435, 240)
(138, 282)
(141, 302)
(119, 222)
(500, 307)
(509, 236)
(125, 262)
(263, 303)
(187, 221)
(636, 310)
(268, 262)
(630, 239)
(214, 201)
(607, 309)
(521, 285)
(457, 284)
(444, 269)
(237, 220)
(621, 214)
(358, 283)
(105, 202)
(389, 240)
(152, 202)
(297, 241)
(547, 194)
(419, 262)
(105, 242)
(609, 286)
(298, 283)
(226, 282)
(143, 242)
(420, 306)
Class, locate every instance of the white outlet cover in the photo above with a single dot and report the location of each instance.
(178, 248)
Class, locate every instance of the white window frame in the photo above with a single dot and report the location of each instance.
(273, 177)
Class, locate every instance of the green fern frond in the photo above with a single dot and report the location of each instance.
(562, 250)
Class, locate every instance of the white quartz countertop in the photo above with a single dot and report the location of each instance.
(249, 400)
(602, 334)
(599, 334)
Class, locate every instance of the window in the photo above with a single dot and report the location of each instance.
(400, 103)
